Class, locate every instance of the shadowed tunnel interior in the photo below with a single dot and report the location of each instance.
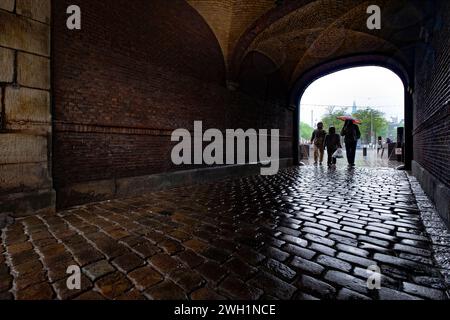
(85, 151)
(246, 69)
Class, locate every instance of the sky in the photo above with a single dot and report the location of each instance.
(376, 87)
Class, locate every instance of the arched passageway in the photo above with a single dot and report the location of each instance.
(88, 116)
(374, 95)
(340, 64)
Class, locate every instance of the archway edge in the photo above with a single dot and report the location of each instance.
(361, 60)
(339, 64)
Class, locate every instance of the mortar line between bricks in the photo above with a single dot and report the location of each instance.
(24, 51)
(7, 262)
(41, 259)
(21, 16)
(2, 109)
(93, 245)
(216, 285)
(116, 224)
(15, 69)
(110, 260)
(65, 246)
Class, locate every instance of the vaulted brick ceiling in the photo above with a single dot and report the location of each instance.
(299, 34)
(229, 19)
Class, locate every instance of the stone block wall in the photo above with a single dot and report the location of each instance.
(25, 105)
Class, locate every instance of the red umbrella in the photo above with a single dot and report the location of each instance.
(345, 118)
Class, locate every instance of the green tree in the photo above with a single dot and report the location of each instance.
(371, 120)
(330, 119)
(305, 131)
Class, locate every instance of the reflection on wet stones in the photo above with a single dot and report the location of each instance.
(305, 233)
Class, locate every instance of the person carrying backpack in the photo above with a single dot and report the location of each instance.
(351, 134)
(318, 139)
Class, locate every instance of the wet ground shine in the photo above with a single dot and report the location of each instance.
(306, 233)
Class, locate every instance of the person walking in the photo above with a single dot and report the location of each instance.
(332, 143)
(379, 145)
(318, 139)
(351, 134)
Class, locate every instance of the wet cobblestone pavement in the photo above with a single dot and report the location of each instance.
(307, 233)
(372, 160)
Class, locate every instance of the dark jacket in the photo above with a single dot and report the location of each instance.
(318, 137)
(351, 133)
(333, 142)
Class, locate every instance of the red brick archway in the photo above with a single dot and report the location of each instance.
(324, 69)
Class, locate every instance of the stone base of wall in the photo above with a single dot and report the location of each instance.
(25, 116)
(127, 187)
(436, 190)
(26, 204)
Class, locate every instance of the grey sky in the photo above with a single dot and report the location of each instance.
(368, 86)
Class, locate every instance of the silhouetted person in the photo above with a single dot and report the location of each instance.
(318, 139)
(380, 144)
(332, 143)
(351, 134)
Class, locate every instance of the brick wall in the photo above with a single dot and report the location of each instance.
(432, 112)
(25, 120)
(432, 99)
(131, 76)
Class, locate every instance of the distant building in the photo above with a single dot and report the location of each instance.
(393, 125)
(355, 108)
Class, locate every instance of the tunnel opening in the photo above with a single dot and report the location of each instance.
(374, 97)
(399, 146)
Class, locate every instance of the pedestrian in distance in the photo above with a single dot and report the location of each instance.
(351, 134)
(318, 140)
(332, 144)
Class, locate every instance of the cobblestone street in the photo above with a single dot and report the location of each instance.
(373, 159)
(307, 233)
